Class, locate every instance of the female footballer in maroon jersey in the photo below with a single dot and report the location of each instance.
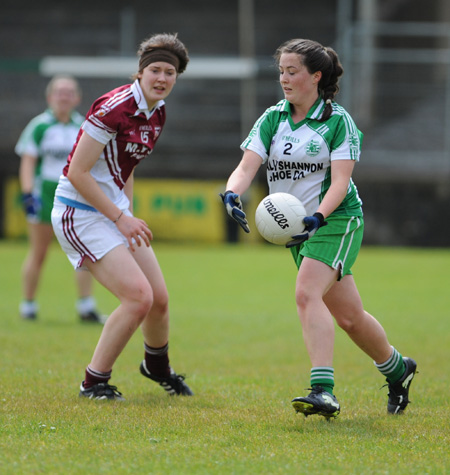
(93, 220)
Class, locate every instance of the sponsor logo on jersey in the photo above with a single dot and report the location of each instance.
(137, 151)
(286, 170)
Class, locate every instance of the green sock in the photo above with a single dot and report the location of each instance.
(323, 376)
(393, 368)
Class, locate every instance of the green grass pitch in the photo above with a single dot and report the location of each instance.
(236, 335)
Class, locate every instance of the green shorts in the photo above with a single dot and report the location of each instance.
(47, 197)
(337, 244)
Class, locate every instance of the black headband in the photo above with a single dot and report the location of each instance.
(155, 55)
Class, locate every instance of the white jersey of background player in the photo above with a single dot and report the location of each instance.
(43, 147)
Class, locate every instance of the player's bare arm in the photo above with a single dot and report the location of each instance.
(341, 172)
(245, 172)
(79, 174)
(141, 229)
(26, 172)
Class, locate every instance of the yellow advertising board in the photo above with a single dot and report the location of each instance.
(188, 210)
(180, 210)
(14, 223)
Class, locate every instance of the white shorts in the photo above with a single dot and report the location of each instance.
(85, 234)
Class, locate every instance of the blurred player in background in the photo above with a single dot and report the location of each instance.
(310, 145)
(43, 147)
(94, 223)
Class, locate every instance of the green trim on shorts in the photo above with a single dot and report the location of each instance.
(337, 244)
(47, 197)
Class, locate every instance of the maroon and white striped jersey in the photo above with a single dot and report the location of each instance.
(120, 119)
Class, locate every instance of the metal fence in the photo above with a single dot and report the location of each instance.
(397, 86)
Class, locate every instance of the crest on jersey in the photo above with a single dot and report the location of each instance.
(312, 148)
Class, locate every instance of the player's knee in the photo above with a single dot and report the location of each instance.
(160, 306)
(139, 303)
(348, 322)
(303, 299)
(144, 307)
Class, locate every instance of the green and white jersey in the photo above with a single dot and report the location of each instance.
(299, 156)
(51, 142)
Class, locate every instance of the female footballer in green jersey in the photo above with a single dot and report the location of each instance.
(310, 145)
(43, 147)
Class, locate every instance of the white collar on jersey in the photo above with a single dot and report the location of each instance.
(141, 102)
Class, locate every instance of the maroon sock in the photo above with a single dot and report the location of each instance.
(93, 377)
(157, 360)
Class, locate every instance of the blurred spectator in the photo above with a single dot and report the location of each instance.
(43, 148)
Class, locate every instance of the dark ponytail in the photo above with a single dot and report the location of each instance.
(317, 58)
(329, 84)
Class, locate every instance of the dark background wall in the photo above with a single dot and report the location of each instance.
(204, 130)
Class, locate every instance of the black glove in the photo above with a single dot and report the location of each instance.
(312, 224)
(233, 205)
